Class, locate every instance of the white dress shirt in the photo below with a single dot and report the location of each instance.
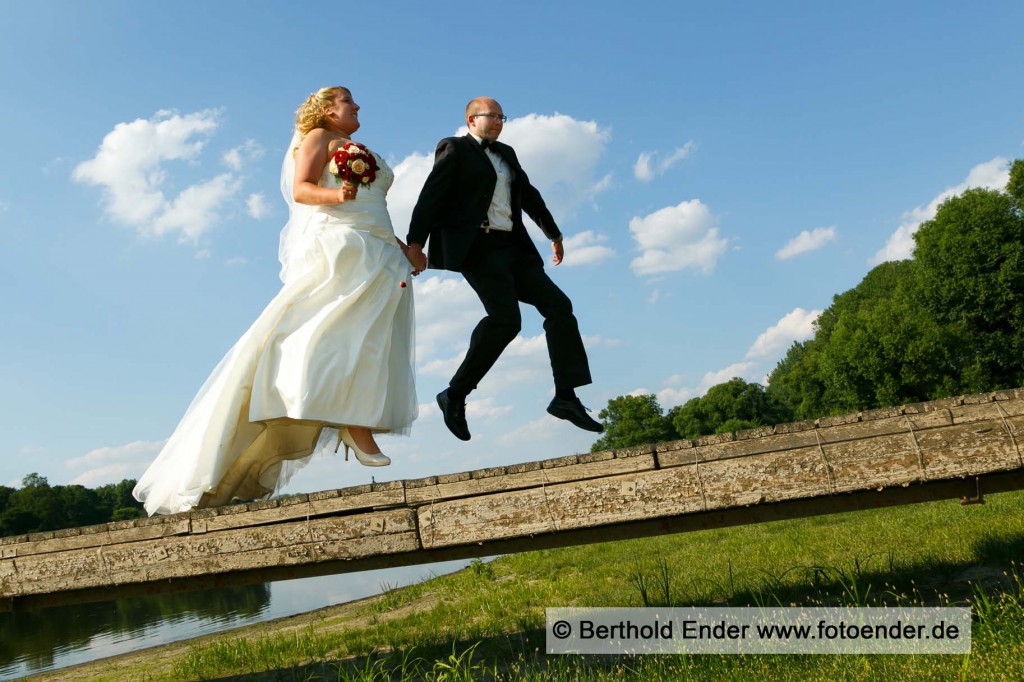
(499, 213)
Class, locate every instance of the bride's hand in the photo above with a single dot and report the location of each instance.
(347, 192)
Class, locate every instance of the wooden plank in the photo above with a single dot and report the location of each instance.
(882, 462)
(771, 477)
(177, 526)
(849, 429)
(686, 453)
(362, 498)
(222, 551)
(972, 448)
(274, 557)
(553, 508)
(536, 477)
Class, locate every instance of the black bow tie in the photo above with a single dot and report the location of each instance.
(484, 144)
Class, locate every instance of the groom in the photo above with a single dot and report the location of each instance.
(471, 208)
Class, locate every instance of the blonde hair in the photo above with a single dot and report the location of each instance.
(311, 114)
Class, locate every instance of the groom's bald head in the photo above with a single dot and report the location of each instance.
(481, 105)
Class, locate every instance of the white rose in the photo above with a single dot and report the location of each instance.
(333, 167)
(358, 166)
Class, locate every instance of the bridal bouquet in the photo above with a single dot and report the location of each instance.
(355, 164)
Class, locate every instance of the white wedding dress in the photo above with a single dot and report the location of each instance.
(333, 348)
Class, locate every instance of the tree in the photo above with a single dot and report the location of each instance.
(796, 381)
(38, 506)
(1015, 187)
(883, 346)
(971, 258)
(730, 406)
(631, 420)
(34, 480)
(118, 500)
(82, 506)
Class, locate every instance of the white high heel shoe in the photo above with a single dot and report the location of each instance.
(378, 459)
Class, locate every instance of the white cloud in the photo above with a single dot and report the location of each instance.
(646, 169)
(242, 155)
(642, 168)
(257, 207)
(992, 174)
(194, 211)
(130, 167)
(447, 309)
(744, 370)
(541, 429)
(798, 325)
(561, 155)
(112, 464)
(597, 340)
(443, 367)
(485, 408)
(807, 241)
(670, 397)
(427, 410)
(675, 238)
(237, 260)
(410, 174)
(586, 248)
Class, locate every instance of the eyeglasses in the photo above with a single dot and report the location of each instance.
(498, 117)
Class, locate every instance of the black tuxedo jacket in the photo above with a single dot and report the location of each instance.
(454, 201)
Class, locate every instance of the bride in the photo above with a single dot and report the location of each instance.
(329, 360)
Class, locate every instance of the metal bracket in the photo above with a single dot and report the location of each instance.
(977, 499)
(628, 489)
(8, 552)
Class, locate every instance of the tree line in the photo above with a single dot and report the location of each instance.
(947, 322)
(37, 506)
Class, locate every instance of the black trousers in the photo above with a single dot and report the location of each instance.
(503, 273)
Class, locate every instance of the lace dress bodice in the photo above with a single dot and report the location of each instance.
(369, 210)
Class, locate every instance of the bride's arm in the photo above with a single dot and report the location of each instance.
(310, 160)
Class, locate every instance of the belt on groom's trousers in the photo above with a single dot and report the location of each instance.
(497, 237)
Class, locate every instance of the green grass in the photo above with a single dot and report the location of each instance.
(486, 622)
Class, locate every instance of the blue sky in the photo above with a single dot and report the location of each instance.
(720, 171)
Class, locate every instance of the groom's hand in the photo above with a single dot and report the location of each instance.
(558, 250)
(417, 258)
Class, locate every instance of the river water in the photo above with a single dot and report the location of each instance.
(36, 641)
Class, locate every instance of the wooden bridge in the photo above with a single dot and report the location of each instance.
(955, 448)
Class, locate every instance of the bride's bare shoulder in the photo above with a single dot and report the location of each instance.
(321, 138)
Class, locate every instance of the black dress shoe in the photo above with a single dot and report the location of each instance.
(454, 415)
(573, 411)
